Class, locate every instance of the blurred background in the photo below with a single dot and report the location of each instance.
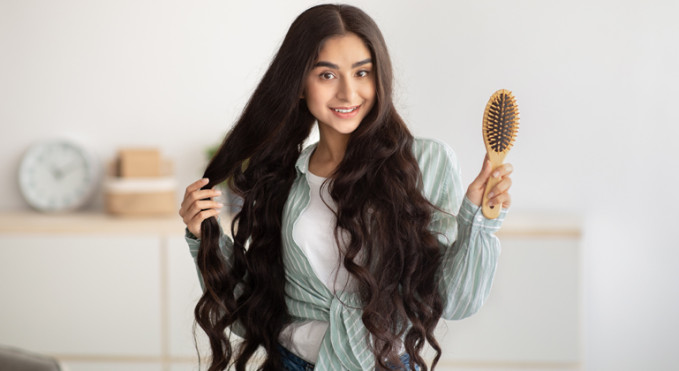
(596, 82)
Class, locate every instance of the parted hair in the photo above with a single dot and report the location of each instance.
(380, 206)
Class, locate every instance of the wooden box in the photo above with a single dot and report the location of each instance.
(139, 163)
(141, 197)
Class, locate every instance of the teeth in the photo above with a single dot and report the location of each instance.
(340, 110)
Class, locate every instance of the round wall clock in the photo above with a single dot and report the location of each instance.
(57, 175)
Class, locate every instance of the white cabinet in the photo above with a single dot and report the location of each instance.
(96, 292)
(89, 295)
(107, 294)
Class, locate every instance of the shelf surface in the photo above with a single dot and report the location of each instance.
(27, 222)
(31, 222)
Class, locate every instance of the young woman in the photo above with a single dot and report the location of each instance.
(346, 253)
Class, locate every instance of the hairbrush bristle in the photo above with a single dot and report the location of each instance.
(501, 121)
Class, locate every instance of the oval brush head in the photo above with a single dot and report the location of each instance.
(500, 125)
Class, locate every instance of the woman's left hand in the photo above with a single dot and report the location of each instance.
(499, 193)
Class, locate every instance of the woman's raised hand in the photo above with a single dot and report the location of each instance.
(499, 193)
(198, 205)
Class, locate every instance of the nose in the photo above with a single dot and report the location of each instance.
(346, 90)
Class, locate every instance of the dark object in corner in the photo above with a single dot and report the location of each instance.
(20, 360)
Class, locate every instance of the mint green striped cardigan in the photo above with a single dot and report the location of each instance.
(467, 239)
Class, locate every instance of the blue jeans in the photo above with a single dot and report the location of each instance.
(293, 363)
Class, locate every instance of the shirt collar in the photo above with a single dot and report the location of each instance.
(302, 163)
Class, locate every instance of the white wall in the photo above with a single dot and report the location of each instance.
(596, 82)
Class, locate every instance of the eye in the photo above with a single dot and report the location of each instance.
(362, 73)
(327, 76)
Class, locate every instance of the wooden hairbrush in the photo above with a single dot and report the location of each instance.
(500, 125)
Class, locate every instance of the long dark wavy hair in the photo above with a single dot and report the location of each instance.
(377, 189)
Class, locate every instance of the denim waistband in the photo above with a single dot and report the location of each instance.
(291, 362)
(405, 360)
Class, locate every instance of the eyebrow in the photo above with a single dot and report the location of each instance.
(336, 67)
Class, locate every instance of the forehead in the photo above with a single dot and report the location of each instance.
(347, 48)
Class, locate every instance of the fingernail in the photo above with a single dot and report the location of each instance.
(491, 194)
(218, 192)
(496, 174)
(205, 180)
(220, 205)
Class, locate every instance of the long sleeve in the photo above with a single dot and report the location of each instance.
(469, 264)
(467, 238)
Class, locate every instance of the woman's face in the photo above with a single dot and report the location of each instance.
(340, 89)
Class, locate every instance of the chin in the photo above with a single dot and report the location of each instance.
(345, 128)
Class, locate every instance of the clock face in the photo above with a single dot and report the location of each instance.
(57, 176)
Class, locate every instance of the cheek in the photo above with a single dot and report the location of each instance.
(313, 101)
(369, 87)
(317, 96)
(368, 92)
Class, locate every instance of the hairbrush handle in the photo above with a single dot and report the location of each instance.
(491, 212)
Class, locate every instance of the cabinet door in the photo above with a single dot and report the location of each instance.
(184, 292)
(81, 294)
(532, 317)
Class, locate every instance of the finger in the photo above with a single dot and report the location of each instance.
(198, 184)
(194, 225)
(503, 170)
(199, 206)
(196, 208)
(201, 216)
(191, 207)
(204, 194)
(504, 199)
(501, 187)
(208, 204)
(200, 195)
(188, 208)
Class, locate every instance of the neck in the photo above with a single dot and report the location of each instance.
(329, 152)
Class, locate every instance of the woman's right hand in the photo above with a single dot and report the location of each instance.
(198, 205)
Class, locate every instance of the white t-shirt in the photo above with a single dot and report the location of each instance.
(314, 234)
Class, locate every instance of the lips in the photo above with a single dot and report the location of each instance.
(345, 112)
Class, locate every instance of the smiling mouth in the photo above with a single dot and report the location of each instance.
(345, 109)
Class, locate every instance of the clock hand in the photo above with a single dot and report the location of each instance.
(68, 168)
(56, 172)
